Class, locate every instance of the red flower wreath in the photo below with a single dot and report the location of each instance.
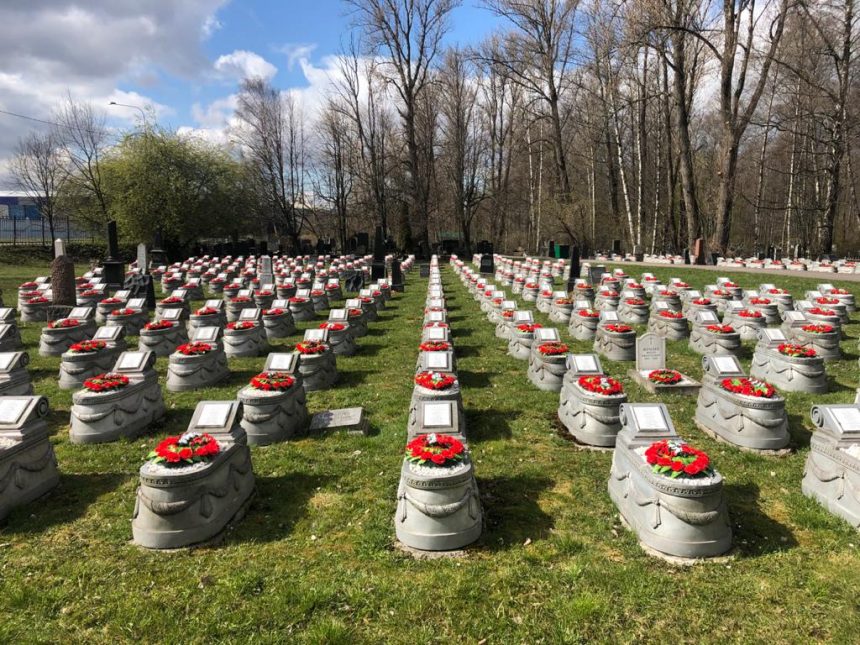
(441, 325)
(668, 313)
(498, 301)
(106, 382)
(188, 448)
(366, 300)
(27, 285)
(274, 312)
(240, 299)
(817, 329)
(665, 377)
(749, 387)
(233, 285)
(584, 286)
(508, 313)
(87, 346)
(702, 301)
(818, 311)
(89, 293)
(827, 301)
(749, 313)
(607, 293)
(546, 293)
(123, 312)
(563, 301)
(796, 351)
(333, 326)
(38, 300)
(531, 285)
(720, 293)
(634, 285)
(529, 328)
(635, 302)
(553, 349)
(730, 285)
(759, 301)
(838, 292)
(172, 300)
(435, 450)
(317, 293)
(651, 279)
(355, 313)
(588, 313)
(332, 287)
(680, 285)
(296, 300)
(194, 349)
(64, 323)
(668, 293)
(721, 329)
(617, 328)
(241, 325)
(272, 381)
(310, 347)
(604, 385)
(777, 292)
(435, 380)
(675, 459)
(434, 346)
(206, 311)
(264, 293)
(110, 301)
(158, 325)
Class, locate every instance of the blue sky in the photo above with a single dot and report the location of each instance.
(182, 58)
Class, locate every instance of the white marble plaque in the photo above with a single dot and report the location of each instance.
(250, 313)
(847, 418)
(206, 334)
(244, 293)
(609, 316)
(650, 352)
(171, 314)
(137, 303)
(280, 303)
(6, 360)
(436, 333)
(523, 317)
(706, 317)
(179, 293)
(316, 334)
(80, 313)
(437, 360)
(693, 295)
(214, 415)
(131, 361)
(436, 316)
(437, 415)
(214, 304)
(546, 335)
(774, 335)
(353, 303)
(281, 361)
(585, 363)
(726, 364)
(122, 294)
(337, 315)
(436, 303)
(509, 304)
(12, 409)
(649, 417)
(365, 293)
(107, 333)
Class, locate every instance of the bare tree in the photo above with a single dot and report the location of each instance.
(408, 35)
(336, 179)
(39, 170)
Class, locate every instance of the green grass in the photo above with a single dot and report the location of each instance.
(314, 561)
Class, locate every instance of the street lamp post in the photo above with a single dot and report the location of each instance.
(133, 107)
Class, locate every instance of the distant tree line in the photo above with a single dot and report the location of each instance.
(653, 122)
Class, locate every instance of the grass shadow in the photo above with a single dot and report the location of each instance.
(800, 436)
(474, 379)
(511, 510)
(280, 503)
(465, 351)
(369, 349)
(352, 377)
(755, 533)
(67, 502)
(486, 425)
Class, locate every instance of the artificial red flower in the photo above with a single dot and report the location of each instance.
(185, 449)
(777, 292)
(110, 301)
(106, 382)
(64, 323)
(701, 301)
(827, 301)
(665, 377)
(796, 351)
(818, 311)
(296, 300)
(608, 293)
(617, 328)
(668, 313)
(435, 450)
(27, 285)
(173, 300)
(87, 346)
(272, 381)
(38, 300)
(603, 385)
(749, 387)
(553, 349)
(634, 302)
(434, 346)
(818, 329)
(310, 347)
(263, 293)
(749, 313)
(241, 325)
(355, 313)
(159, 325)
(588, 313)
(334, 326)
(89, 293)
(759, 301)
(435, 380)
(721, 329)
(206, 311)
(123, 312)
(317, 293)
(277, 311)
(674, 458)
(563, 302)
(529, 328)
(240, 299)
(194, 349)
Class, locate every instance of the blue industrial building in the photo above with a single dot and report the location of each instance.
(18, 205)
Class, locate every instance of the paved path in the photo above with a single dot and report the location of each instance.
(809, 275)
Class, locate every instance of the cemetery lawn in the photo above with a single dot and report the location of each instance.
(314, 560)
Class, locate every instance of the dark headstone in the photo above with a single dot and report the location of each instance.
(424, 270)
(550, 248)
(63, 281)
(638, 253)
(686, 255)
(141, 286)
(562, 250)
(377, 269)
(487, 265)
(362, 243)
(396, 276)
(698, 256)
(484, 246)
(616, 246)
(113, 267)
(574, 267)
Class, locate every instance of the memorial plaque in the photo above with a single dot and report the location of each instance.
(726, 364)
(7, 315)
(498, 294)
(131, 361)
(751, 293)
(244, 293)
(649, 417)
(650, 352)
(338, 315)
(735, 306)
(108, 334)
(171, 314)
(122, 294)
(584, 364)
(693, 294)
(794, 316)
(509, 304)
(661, 305)
(320, 335)
(214, 304)
(353, 303)
(282, 362)
(280, 303)
(773, 335)
(333, 281)
(436, 303)
(582, 304)
(766, 287)
(812, 295)
(137, 303)
(250, 313)
(303, 293)
(609, 316)
(546, 335)
(848, 418)
(706, 317)
(42, 279)
(11, 409)
(80, 313)
(438, 415)
(628, 294)
(6, 360)
(559, 294)
(436, 316)
(179, 293)
(365, 293)
(436, 333)
(205, 334)
(803, 305)
(438, 361)
(214, 415)
(523, 316)
(353, 420)
(825, 287)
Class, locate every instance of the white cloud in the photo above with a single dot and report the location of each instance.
(243, 64)
(296, 52)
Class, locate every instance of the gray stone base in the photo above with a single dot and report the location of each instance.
(687, 386)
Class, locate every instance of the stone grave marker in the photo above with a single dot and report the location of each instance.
(63, 291)
(350, 420)
(651, 356)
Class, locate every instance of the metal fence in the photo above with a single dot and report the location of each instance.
(36, 231)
